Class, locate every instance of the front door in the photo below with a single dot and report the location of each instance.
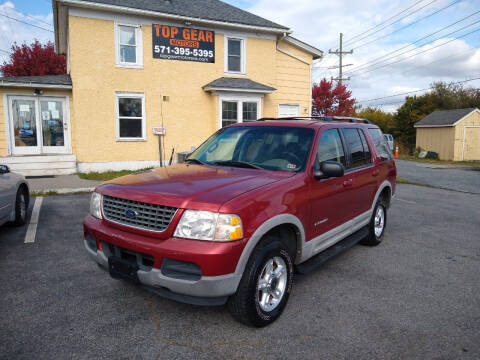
(38, 125)
(330, 199)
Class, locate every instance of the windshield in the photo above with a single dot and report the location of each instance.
(267, 147)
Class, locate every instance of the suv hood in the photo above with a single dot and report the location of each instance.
(191, 186)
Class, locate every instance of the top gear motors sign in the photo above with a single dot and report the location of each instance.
(179, 43)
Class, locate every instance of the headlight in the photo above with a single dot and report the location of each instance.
(95, 205)
(206, 225)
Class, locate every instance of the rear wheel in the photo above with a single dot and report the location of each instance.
(21, 206)
(377, 224)
(265, 286)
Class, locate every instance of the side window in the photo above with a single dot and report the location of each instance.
(366, 149)
(355, 147)
(235, 55)
(381, 145)
(129, 45)
(330, 147)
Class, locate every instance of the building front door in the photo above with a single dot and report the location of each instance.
(38, 125)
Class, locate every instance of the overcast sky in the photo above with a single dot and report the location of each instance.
(320, 22)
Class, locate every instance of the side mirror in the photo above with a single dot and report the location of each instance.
(328, 169)
(4, 169)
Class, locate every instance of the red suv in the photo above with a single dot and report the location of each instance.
(253, 203)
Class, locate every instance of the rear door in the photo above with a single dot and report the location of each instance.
(329, 198)
(361, 173)
(6, 190)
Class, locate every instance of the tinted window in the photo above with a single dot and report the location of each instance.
(330, 147)
(355, 147)
(366, 149)
(380, 144)
(268, 147)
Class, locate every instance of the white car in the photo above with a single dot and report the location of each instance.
(389, 139)
(14, 197)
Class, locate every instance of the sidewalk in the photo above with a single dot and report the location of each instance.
(62, 184)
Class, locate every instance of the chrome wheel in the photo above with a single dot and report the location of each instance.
(379, 221)
(271, 284)
(23, 206)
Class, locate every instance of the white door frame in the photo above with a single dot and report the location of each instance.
(43, 150)
(239, 99)
(465, 138)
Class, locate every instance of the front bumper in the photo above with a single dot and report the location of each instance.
(207, 290)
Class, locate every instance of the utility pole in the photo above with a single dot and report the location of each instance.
(340, 54)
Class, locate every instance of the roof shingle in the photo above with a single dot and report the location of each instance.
(443, 117)
(200, 9)
(237, 84)
(44, 80)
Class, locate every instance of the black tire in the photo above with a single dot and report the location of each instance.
(374, 238)
(245, 305)
(21, 207)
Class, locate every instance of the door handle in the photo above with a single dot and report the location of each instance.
(348, 182)
(375, 172)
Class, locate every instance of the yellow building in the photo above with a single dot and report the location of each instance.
(453, 134)
(180, 67)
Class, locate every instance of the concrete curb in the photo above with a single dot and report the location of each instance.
(63, 191)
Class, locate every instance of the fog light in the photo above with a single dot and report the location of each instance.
(91, 242)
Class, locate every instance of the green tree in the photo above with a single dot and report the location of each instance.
(443, 96)
(383, 119)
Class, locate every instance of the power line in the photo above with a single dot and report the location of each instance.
(415, 91)
(421, 52)
(408, 25)
(396, 21)
(24, 22)
(383, 22)
(5, 51)
(441, 59)
(384, 57)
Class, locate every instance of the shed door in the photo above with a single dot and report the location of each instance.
(288, 110)
(472, 143)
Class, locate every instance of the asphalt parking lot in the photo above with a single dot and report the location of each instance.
(416, 296)
(443, 176)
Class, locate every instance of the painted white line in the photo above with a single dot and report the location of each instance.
(32, 226)
(407, 201)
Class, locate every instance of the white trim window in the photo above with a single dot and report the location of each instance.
(236, 110)
(128, 45)
(235, 55)
(130, 116)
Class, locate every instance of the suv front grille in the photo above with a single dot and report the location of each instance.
(142, 215)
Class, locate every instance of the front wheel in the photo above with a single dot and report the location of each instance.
(377, 224)
(265, 286)
(21, 206)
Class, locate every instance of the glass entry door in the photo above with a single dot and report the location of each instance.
(38, 125)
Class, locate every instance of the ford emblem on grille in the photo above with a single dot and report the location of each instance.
(131, 214)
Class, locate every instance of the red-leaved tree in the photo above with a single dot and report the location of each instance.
(34, 59)
(328, 100)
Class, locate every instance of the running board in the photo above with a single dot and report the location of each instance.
(319, 259)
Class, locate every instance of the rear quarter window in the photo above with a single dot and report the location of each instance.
(381, 145)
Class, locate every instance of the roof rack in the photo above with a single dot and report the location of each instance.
(320, 118)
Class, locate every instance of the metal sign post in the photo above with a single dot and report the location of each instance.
(159, 131)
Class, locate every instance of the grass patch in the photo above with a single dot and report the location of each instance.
(108, 175)
(431, 161)
(404, 181)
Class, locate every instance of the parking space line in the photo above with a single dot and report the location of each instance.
(32, 226)
(407, 201)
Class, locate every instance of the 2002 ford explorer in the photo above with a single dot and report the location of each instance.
(253, 203)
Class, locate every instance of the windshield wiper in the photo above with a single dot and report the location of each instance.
(196, 161)
(242, 164)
